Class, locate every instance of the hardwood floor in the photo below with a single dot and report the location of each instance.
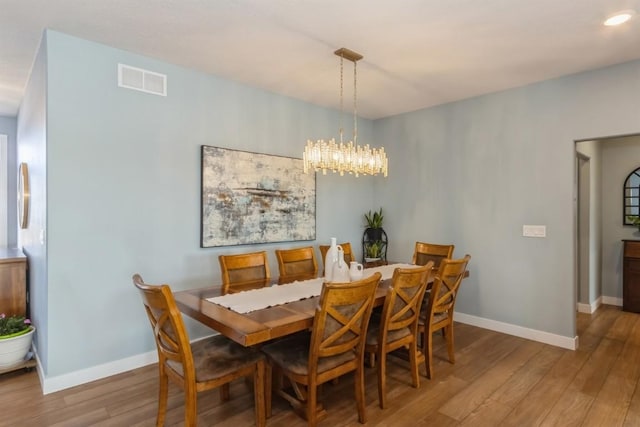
(497, 380)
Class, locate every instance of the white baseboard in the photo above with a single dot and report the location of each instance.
(82, 376)
(518, 331)
(590, 308)
(612, 301)
(72, 379)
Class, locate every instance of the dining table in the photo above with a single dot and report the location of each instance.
(264, 324)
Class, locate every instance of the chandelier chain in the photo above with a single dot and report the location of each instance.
(341, 97)
(355, 102)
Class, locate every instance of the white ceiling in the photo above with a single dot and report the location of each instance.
(417, 53)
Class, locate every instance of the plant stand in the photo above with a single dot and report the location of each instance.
(27, 365)
(374, 236)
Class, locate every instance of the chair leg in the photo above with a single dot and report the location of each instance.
(428, 350)
(190, 406)
(268, 392)
(372, 359)
(224, 392)
(449, 337)
(382, 377)
(360, 401)
(162, 399)
(413, 361)
(312, 410)
(259, 393)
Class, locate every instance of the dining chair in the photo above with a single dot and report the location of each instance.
(425, 252)
(397, 327)
(346, 247)
(438, 313)
(334, 347)
(203, 365)
(244, 271)
(296, 264)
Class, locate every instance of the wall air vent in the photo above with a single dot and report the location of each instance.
(143, 80)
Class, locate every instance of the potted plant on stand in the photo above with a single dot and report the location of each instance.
(16, 333)
(374, 239)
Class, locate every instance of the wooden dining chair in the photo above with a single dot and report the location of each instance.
(397, 327)
(296, 264)
(438, 313)
(334, 347)
(208, 363)
(425, 252)
(244, 271)
(346, 247)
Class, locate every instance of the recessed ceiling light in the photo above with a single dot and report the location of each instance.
(619, 18)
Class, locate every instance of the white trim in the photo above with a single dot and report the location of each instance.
(612, 301)
(4, 195)
(518, 331)
(82, 376)
(589, 308)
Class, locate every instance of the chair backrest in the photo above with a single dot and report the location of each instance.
(296, 264)
(425, 252)
(445, 286)
(244, 271)
(341, 320)
(346, 247)
(403, 301)
(169, 332)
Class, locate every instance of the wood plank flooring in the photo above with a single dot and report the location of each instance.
(498, 380)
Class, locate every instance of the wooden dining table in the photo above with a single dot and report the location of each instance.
(258, 326)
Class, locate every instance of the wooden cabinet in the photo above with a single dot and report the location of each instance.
(631, 276)
(13, 282)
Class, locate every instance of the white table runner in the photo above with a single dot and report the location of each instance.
(257, 299)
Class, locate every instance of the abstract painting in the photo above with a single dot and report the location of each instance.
(250, 198)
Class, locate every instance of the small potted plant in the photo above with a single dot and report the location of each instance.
(635, 220)
(374, 225)
(15, 340)
(372, 251)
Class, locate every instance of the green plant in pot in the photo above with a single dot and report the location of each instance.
(16, 333)
(635, 220)
(13, 326)
(374, 225)
(373, 250)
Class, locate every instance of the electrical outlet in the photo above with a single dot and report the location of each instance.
(534, 230)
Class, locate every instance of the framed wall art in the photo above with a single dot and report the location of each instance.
(249, 198)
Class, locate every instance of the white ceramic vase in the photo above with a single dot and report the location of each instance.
(340, 272)
(13, 350)
(330, 259)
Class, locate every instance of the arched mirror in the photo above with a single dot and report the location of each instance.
(631, 199)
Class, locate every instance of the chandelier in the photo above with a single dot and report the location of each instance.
(344, 157)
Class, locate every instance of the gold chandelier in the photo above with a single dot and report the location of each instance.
(344, 157)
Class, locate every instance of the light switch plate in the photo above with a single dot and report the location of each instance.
(534, 230)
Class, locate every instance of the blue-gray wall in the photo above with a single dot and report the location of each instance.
(123, 190)
(474, 172)
(8, 127)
